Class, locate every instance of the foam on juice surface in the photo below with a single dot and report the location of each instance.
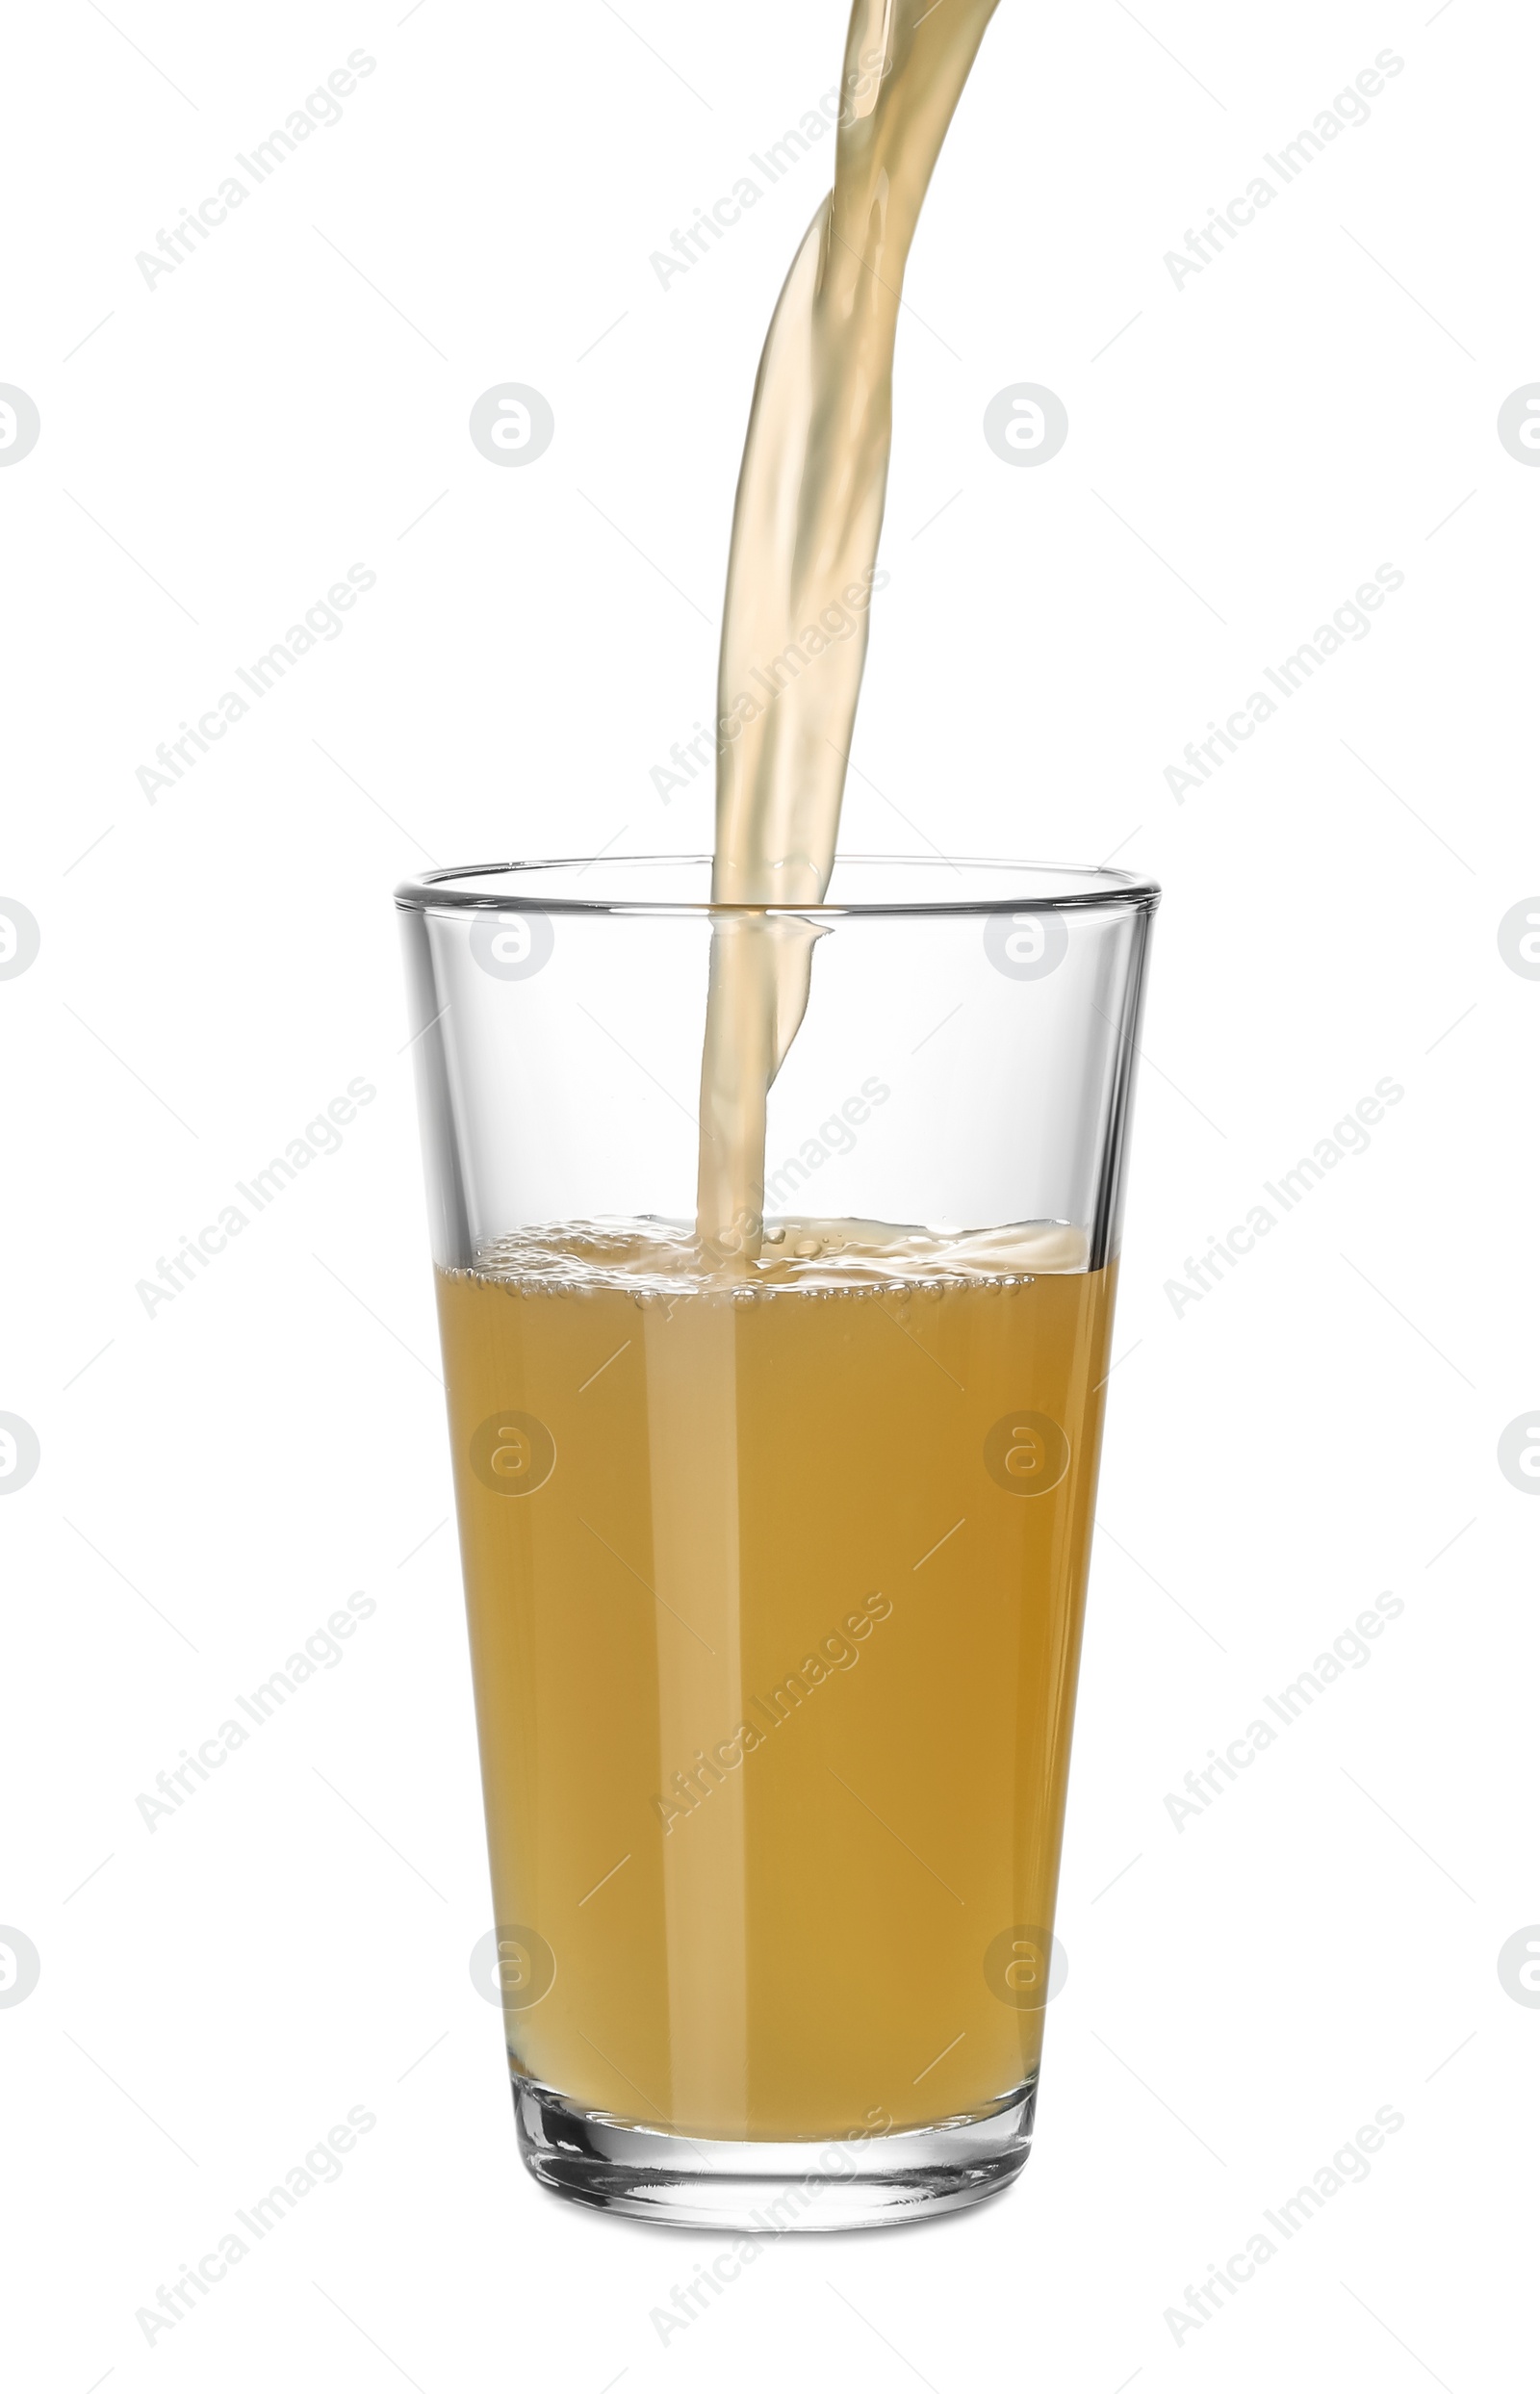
(651, 1257)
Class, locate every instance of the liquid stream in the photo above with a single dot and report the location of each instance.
(805, 533)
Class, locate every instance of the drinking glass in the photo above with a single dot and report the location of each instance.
(774, 1561)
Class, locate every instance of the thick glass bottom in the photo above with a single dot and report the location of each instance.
(753, 2189)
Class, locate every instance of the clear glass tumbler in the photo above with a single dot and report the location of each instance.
(774, 1563)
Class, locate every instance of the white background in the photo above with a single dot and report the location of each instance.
(1243, 452)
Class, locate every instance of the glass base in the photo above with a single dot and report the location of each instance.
(754, 2189)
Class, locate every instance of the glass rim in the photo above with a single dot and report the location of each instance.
(1096, 886)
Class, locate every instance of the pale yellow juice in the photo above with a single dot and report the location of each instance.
(775, 1598)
